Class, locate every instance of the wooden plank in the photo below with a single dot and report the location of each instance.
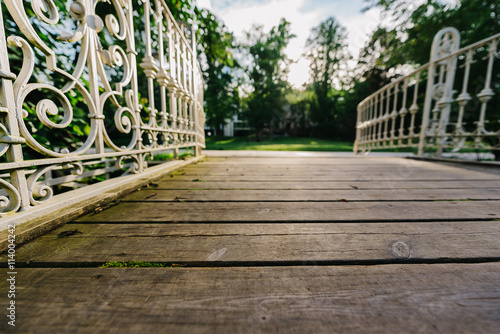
(271, 229)
(161, 195)
(313, 161)
(438, 298)
(312, 168)
(169, 183)
(310, 165)
(362, 176)
(387, 163)
(265, 243)
(352, 164)
(336, 172)
(296, 211)
(337, 175)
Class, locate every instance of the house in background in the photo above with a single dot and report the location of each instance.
(233, 127)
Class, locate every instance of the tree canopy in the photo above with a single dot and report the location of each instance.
(267, 75)
(328, 55)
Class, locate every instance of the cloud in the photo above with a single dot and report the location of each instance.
(226, 4)
(330, 7)
(205, 4)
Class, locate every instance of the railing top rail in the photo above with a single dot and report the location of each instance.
(178, 29)
(423, 67)
(395, 82)
(176, 26)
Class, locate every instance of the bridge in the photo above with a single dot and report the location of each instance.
(97, 237)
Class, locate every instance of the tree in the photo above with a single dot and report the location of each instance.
(377, 58)
(221, 93)
(267, 75)
(328, 57)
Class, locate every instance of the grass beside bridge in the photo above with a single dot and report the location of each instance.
(278, 144)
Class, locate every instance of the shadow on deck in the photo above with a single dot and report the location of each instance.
(278, 244)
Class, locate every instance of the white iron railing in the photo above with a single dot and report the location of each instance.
(117, 79)
(421, 110)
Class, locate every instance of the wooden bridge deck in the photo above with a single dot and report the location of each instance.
(276, 245)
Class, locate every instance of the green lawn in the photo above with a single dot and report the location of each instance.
(277, 144)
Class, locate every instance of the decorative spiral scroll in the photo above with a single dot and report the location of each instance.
(47, 6)
(136, 165)
(76, 168)
(40, 192)
(131, 100)
(48, 107)
(37, 189)
(12, 201)
(115, 56)
(4, 145)
(28, 62)
(45, 107)
(77, 10)
(123, 122)
(114, 27)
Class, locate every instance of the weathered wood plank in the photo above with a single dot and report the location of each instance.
(266, 243)
(332, 173)
(310, 164)
(296, 211)
(305, 177)
(270, 229)
(161, 195)
(169, 183)
(438, 298)
(400, 164)
(314, 161)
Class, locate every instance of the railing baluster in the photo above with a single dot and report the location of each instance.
(380, 119)
(414, 108)
(162, 71)
(462, 100)
(394, 115)
(386, 116)
(486, 94)
(402, 114)
(11, 140)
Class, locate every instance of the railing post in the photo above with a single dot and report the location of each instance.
(444, 43)
(194, 68)
(10, 136)
(358, 130)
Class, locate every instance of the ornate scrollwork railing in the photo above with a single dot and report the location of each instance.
(91, 89)
(405, 113)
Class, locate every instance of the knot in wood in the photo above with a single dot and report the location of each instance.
(401, 250)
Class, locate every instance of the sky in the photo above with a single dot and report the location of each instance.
(240, 15)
